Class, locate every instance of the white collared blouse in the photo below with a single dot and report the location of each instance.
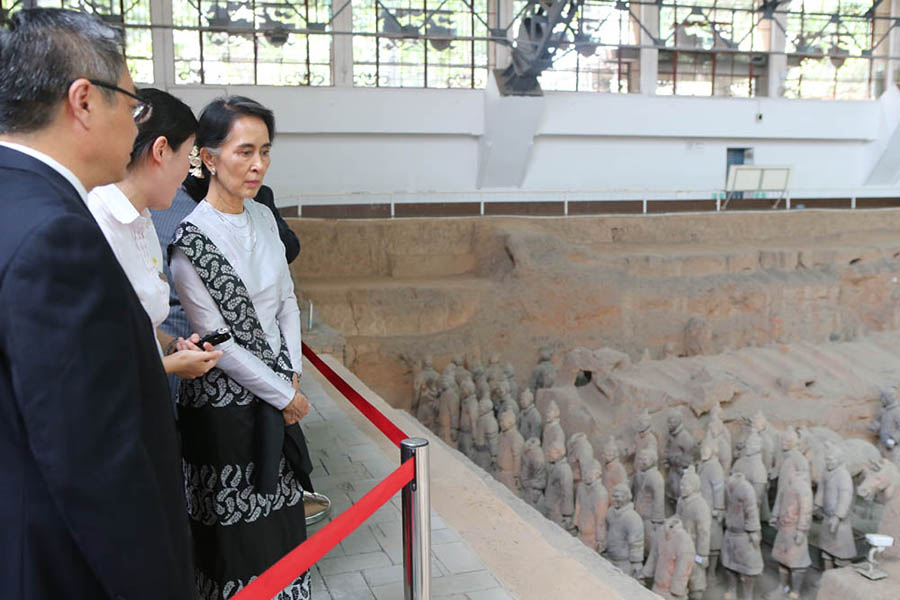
(133, 240)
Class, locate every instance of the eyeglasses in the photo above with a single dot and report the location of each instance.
(141, 112)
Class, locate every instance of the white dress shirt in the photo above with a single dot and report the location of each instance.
(53, 164)
(250, 242)
(132, 237)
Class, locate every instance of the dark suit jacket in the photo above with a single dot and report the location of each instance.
(290, 240)
(91, 493)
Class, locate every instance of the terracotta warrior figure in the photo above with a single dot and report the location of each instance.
(499, 388)
(468, 416)
(426, 393)
(533, 473)
(644, 438)
(613, 470)
(486, 436)
(681, 451)
(696, 517)
(770, 445)
(741, 554)
(510, 373)
(579, 452)
(793, 517)
(450, 374)
(887, 425)
(624, 533)
(506, 402)
(834, 502)
(544, 374)
(559, 497)
(671, 560)
(750, 463)
(509, 452)
(722, 436)
(460, 371)
(552, 431)
(712, 488)
(649, 496)
(481, 382)
(530, 422)
(792, 459)
(448, 411)
(591, 506)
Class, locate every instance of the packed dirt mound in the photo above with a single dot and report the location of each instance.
(668, 285)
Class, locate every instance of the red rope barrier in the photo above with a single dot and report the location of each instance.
(380, 421)
(301, 558)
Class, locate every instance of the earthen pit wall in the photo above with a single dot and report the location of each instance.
(399, 289)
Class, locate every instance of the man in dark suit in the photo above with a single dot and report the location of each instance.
(92, 502)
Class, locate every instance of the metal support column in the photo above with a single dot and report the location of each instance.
(416, 523)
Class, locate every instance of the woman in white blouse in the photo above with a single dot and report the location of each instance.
(245, 459)
(159, 163)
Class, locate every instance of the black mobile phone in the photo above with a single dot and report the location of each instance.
(218, 336)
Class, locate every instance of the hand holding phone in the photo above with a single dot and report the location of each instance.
(223, 334)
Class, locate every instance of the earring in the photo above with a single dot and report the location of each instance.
(212, 171)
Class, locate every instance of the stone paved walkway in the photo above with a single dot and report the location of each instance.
(368, 564)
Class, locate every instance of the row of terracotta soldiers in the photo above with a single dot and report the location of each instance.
(719, 509)
(529, 454)
(463, 404)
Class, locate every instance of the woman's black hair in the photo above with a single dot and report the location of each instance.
(215, 125)
(170, 118)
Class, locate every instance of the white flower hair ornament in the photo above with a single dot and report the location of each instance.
(196, 163)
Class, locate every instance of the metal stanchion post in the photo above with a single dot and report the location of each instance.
(416, 523)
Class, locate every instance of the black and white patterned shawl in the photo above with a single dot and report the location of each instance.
(215, 388)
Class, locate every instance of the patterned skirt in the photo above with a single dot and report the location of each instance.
(238, 532)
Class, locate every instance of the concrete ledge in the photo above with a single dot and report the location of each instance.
(530, 556)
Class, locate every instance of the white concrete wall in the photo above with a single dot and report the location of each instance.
(339, 144)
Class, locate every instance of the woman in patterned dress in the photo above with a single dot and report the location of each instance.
(246, 464)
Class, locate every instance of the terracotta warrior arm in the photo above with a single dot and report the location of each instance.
(845, 496)
(704, 525)
(636, 539)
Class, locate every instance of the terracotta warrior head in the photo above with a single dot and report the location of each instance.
(621, 495)
(545, 353)
(789, 439)
(494, 359)
(673, 420)
(555, 452)
(690, 483)
(509, 371)
(507, 420)
(428, 362)
(526, 399)
(645, 460)
(643, 422)
(610, 450)
(592, 472)
(533, 444)
(752, 445)
(671, 527)
(467, 387)
(552, 412)
(758, 421)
